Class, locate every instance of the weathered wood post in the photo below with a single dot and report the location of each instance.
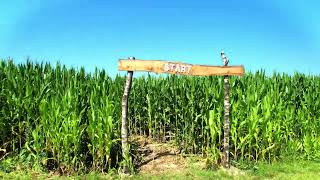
(226, 123)
(124, 119)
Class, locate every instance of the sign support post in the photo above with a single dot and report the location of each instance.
(124, 119)
(226, 121)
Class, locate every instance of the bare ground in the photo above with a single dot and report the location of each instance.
(159, 158)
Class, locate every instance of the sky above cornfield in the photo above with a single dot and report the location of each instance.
(273, 35)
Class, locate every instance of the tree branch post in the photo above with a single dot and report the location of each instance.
(226, 121)
(124, 120)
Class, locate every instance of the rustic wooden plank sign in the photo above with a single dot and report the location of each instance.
(131, 64)
(158, 66)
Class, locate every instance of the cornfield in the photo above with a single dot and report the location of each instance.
(58, 117)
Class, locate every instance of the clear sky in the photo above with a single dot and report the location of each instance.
(274, 35)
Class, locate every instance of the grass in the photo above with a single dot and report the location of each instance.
(289, 169)
(280, 170)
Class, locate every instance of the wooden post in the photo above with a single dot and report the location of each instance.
(124, 118)
(226, 123)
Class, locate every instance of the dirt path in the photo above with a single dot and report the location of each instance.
(158, 158)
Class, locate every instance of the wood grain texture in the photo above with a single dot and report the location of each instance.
(158, 66)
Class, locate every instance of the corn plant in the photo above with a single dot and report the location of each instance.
(67, 119)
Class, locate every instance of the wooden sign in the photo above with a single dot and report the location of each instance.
(178, 68)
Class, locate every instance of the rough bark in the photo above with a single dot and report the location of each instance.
(226, 124)
(226, 121)
(124, 118)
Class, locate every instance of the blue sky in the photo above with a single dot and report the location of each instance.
(282, 36)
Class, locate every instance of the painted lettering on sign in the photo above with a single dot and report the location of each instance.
(177, 68)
